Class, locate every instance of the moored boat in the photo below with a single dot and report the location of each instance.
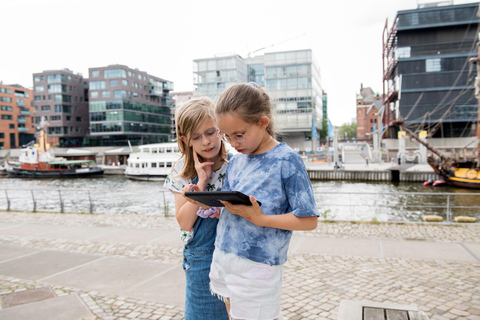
(38, 162)
(153, 162)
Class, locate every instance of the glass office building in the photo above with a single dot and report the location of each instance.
(127, 105)
(291, 79)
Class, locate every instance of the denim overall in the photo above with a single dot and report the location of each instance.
(197, 257)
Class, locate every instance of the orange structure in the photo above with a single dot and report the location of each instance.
(16, 116)
(369, 104)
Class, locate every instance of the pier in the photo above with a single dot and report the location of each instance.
(372, 172)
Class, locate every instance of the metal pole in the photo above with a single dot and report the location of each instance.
(61, 202)
(165, 207)
(34, 203)
(8, 201)
(448, 208)
(90, 202)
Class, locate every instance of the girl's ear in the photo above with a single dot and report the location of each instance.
(184, 139)
(264, 121)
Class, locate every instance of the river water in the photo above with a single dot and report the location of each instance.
(336, 200)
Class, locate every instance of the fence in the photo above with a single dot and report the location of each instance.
(348, 206)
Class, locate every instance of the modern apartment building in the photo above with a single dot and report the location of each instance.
(428, 80)
(292, 80)
(60, 97)
(17, 127)
(128, 105)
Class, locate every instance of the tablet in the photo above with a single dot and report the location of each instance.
(213, 198)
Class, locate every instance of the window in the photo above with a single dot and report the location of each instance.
(6, 108)
(69, 118)
(7, 117)
(124, 82)
(39, 88)
(105, 94)
(94, 94)
(36, 79)
(45, 108)
(113, 82)
(6, 90)
(95, 73)
(37, 98)
(11, 125)
(95, 85)
(79, 119)
(403, 52)
(5, 99)
(2, 135)
(55, 78)
(115, 73)
(433, 65)
(55, 118)
(119, 94)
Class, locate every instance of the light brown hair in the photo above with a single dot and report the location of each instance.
(187, 119)
(249, 101)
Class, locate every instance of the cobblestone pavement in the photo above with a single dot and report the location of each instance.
(313, 284)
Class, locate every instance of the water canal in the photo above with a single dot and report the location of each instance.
(336, 200)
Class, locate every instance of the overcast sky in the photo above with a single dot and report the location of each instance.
(164, 37)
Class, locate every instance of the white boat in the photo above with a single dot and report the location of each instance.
(153, 162)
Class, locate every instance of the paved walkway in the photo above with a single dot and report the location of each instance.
(74, 266)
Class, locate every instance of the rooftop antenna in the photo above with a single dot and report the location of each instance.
(275, 44)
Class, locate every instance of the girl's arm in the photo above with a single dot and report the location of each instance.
(287, 221)
(185, 208)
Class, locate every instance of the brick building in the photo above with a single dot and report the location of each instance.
(16, 116)
(369, 104)
(60, 96)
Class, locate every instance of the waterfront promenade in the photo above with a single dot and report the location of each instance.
(82, 266)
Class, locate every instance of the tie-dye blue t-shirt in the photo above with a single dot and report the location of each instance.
(279, 180)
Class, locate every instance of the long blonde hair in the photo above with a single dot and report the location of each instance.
(187, 119)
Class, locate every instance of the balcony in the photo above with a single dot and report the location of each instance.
(156, 91)
(25, 112)
(22, 129)
(21, 120)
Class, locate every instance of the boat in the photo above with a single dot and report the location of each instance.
(463, 174)
(39, 162)
(153, 162)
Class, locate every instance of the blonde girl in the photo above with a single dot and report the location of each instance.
(201, 167)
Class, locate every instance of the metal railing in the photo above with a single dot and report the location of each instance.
(338, 206)
(396, 206)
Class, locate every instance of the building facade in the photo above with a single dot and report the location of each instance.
(17, 126)
(128, 106)
(291, 79)
(369, 119)
(60, 97)
(427, 77)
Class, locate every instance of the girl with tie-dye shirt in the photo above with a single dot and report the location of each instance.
(252, 241)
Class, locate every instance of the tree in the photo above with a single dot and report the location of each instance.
(350, 129)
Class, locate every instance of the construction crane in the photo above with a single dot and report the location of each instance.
(275, 44)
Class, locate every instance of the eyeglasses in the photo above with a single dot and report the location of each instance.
(209, 134)
(237, 137)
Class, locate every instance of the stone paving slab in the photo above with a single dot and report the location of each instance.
(132, 235)
(68, 307)
(8, 252)
(420, 250)
(109, 275)
(75, 232)
(335, 246)
(168, 287)
(43, 263)
(474, 249)
(27, 229)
